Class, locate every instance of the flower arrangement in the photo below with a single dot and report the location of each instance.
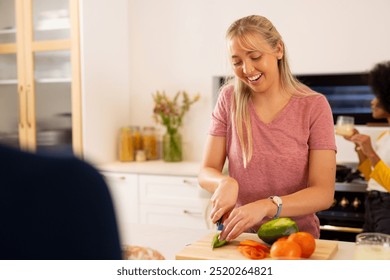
(170, 112)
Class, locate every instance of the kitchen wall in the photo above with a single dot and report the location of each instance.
(104, 35)
(179, 45)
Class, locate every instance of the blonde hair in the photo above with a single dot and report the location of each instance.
(245, 29)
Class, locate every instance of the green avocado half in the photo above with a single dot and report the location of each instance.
(272, 230)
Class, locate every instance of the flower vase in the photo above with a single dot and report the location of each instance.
(172, 146)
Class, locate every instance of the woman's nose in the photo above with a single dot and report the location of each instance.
(248, 68)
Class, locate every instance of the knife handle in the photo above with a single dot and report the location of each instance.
(219, 224)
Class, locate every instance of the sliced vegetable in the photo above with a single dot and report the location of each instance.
(252, 252)
(258, 245)
(215, 243)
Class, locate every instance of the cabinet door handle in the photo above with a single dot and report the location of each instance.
(27, 115)
(192, 213)
(21, 102)
(190, 182)
(121, 178)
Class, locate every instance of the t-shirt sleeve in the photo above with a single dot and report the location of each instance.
(221, 114)
(322, 135)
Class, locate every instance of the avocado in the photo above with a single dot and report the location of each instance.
(272, 230)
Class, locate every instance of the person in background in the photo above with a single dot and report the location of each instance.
(54, 209)
(277, 134)
(374, 158)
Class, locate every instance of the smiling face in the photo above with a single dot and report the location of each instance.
(255, 63)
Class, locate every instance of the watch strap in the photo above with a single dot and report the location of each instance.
(278, 202)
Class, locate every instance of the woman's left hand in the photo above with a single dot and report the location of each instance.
(242, 218)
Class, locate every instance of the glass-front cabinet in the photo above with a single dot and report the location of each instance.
(40, 96)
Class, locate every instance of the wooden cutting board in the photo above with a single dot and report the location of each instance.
(201, 249)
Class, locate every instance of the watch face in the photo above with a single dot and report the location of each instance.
(277, 200)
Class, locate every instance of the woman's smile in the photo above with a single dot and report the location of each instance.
(255, 78)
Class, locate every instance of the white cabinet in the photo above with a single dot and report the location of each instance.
(176, 201)
(124, 192)
(156, 193)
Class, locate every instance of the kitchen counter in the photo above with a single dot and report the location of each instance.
(169, 241)
(155, 167)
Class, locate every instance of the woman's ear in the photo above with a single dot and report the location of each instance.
(280, 50)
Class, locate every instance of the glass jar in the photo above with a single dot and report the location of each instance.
(149, 142)
(140, 155)
(137, 141)
(126, 148)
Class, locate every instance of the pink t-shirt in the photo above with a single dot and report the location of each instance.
(279, 165)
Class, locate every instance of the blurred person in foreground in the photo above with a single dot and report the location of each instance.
(54, 209)
(374, 158)
(277, 134)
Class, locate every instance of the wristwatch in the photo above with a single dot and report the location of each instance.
(278, 202)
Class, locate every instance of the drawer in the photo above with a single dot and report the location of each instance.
(171, 191)
(183, 217)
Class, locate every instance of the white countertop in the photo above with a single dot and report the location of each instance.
(155, 167)
(169, 240)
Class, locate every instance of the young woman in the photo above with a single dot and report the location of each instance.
(277, 134)
(375, 160)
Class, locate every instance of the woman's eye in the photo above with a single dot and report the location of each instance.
(256, 57)
(237, 63)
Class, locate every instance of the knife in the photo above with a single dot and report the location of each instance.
(219, 224)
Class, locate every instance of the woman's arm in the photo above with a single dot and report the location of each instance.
(364, 163)
(212, 164)
(223, 187)
(317, 196)
(381, 174)
(366, 151)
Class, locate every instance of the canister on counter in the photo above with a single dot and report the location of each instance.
(149, 142)
(137, 139)
(140, 155)
(126, 147)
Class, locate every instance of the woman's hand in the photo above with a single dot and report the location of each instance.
(243, 218)
(224, 198)
(354, 132)
(363, 143)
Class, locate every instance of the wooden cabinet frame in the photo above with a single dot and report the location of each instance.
(25, 48)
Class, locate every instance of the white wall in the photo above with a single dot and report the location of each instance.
(179, 44)
(105, 71)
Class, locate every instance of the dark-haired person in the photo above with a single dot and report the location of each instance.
(374, 157)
